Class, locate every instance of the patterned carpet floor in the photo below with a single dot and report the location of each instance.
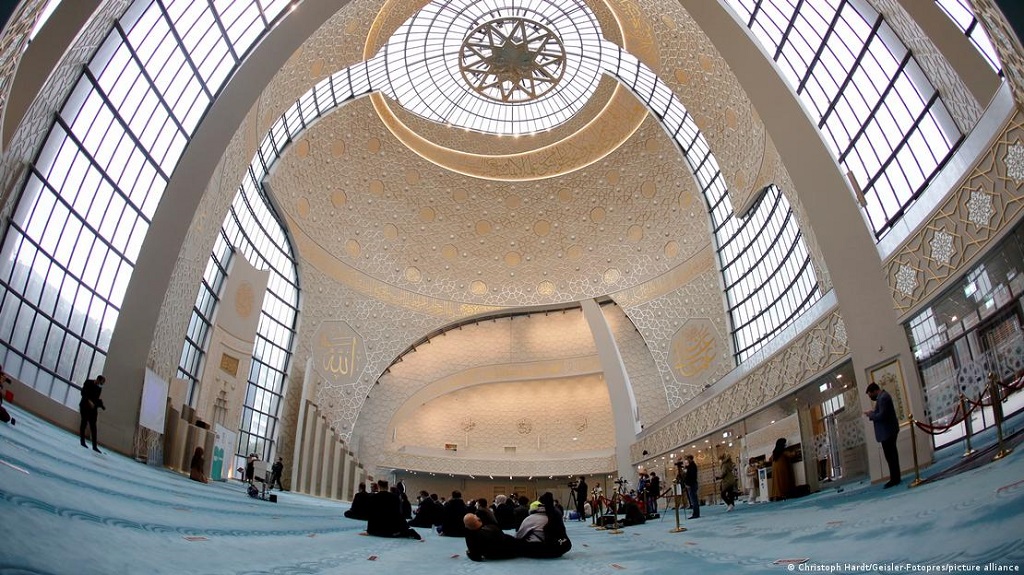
(68, 510)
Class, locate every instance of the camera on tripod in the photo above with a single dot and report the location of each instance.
(573, 484)
(620, 481)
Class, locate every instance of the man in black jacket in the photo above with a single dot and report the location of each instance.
(452, 521)
(691, 482)
(887, 429)
(89, 408)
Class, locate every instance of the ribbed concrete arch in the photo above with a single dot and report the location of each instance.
(131, 341)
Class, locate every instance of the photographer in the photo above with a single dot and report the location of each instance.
(581, 498)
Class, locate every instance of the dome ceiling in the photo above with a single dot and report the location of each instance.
(382, 202)
(625, 212)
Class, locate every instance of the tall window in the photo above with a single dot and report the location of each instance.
(875, 107)
(961, 13)
(251, 230)
(765, 264)
(92, 191)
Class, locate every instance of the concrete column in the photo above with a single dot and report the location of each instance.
(300, 427)
(307, 449)
(325, 473)
(348, 475)
(316, 463)
(971, 67)
(804, 420)
(874, 334)
(338, 457)
(620, 390)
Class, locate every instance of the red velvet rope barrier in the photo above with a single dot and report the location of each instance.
(958, 417)
(1017, 384)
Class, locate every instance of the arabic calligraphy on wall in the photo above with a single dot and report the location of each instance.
(339, 355)
(694, 350)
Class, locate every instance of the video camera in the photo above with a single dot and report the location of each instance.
(620, 481)
(573, 484)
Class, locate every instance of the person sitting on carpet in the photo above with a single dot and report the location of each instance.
(542, 535)
(197, 470)
(485, 513)
(428, 512)
(488, 541)
(385, 515)
(360, 504)
(452, 524)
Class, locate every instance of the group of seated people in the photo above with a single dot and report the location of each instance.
(540, 530)
(382, 510)
(541, 535)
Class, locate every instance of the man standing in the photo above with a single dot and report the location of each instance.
(581, 498)
(691, 483)
(89, 408)
(887, 428)
(275, 474)
(653, 493)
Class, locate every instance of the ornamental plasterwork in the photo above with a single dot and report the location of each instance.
(643, 372)
(13, 43)
(840, 332)
(779, 375)
(1004, 39)
(906, 280)
(518, 467)
(974, 213)
(660, 318)
(979, 208)
(550, 347)
(942, 247)
(1014, 161)
(176, 309)
(524, 426)
(533, 417)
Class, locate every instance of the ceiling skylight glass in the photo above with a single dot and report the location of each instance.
(498, 68)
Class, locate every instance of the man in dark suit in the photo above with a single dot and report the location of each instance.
(582, 491)
(453, 518)
(691, 482)
(887, 428)
(89, 408)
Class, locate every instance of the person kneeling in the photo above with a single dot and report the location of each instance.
(487, 541)
(542, 535)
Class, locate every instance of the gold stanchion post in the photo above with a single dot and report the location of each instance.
(997, 413)
(967, 425)
(913, 444)
(679, 528)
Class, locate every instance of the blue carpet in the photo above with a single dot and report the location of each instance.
(68, 510)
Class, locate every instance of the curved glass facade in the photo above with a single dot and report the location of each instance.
(91, 193)
(251, 230)
(875, 108)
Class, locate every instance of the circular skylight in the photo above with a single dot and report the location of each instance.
(495, 68)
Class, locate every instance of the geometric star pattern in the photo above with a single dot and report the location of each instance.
(979, 208)
(942, 247)
(1014, 161)
(906, 280)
